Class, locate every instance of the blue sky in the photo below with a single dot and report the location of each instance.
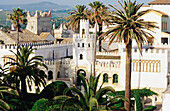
(66, 2)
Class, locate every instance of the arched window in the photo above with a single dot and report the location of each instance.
(80, 71)
(83, 31)
(105, 78)
(82, 44)
(81, 56)
(115, 78)
(66, 73)
(78, 45)
(58, 74)
(50, 75)
(88, 44)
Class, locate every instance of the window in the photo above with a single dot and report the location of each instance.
(83, 31)
(115, 78)
(78, 44)
(50, 75)
(105, 78)
(31, 27)
(81, 56)
(58, 74)
(82, 44)
(164, 40)
(88, 44)
(66, 73)
(164, 24)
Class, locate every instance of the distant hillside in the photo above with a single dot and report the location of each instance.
(37, 6)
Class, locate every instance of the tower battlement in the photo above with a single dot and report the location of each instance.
(85, 36)
(39, 22)
(39, 14)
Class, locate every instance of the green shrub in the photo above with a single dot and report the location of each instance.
(150, 108)
(41, 105)
(54, 89)
(53, 108)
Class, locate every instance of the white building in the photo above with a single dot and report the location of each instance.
(67, 59)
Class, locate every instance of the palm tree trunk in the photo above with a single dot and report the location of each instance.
(23, 86)
(100, 40)
(94, 51)
(128, 74)
(79, 28)
(17, 38)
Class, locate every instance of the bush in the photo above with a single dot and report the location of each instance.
(53, 108)
(150, 108)
(41, 105)
(54, 89)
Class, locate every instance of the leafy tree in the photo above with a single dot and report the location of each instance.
(90, 99)
(26, 69)
(137, 94)
(17, 18)
(76, 16)
(54, 89)
(41, 105)
(127, 26)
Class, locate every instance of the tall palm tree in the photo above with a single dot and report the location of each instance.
(98, 11)
(76, 16)
(17, 18)
(25, 69)
(90, 99)
(128, 26)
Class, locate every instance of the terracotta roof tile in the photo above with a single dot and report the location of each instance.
(44, 35)
(25, 36)
(160, 12)
(159, 2)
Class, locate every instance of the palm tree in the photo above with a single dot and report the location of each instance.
(127, 26)
(5, 89)
(90, 98)
(76, 16)
(17, 18)
(25, 68)
(98, 11)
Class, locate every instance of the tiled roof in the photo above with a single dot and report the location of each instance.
(158, 12)
(25, 36)
(107, 57)
(44, 35)
(164, 14)
(159, 2)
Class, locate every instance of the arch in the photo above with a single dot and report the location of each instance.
(82, 44)
(83, 31)
(58, 74)
(115, 78)
(88, 44)
(105, 78)
(80, 71)
(66, 73)
(81, 56)
(50, 75)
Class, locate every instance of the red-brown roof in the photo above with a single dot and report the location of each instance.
(155, 2)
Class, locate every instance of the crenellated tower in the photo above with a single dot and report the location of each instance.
(83, 45)
(39, 22)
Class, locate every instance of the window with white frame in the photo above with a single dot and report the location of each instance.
(164, 24)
